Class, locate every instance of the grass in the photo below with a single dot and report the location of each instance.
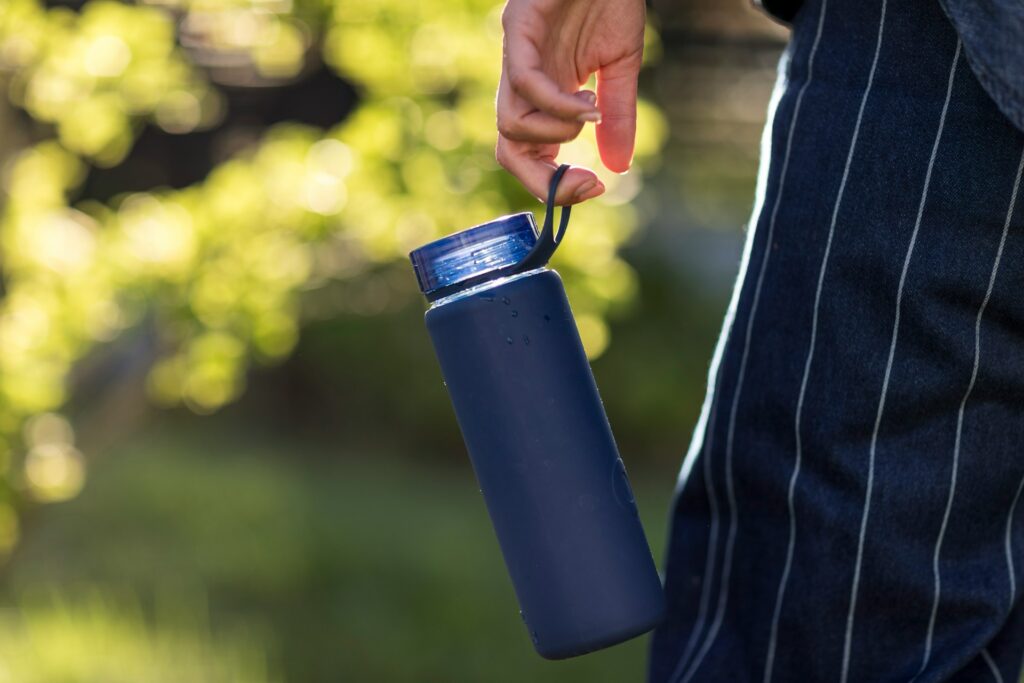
(352, 568)
(49, 640)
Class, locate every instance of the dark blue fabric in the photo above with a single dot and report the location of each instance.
(993, 35)
(875, 341)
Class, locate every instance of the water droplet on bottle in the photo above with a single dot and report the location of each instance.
(508, 339)
(505, 300)
(515, 314)
(487, 298)
(526, 340)
(547, 318)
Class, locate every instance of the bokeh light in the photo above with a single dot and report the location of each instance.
(119, 291)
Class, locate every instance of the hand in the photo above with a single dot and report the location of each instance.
(551, 47)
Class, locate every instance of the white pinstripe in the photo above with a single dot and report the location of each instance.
(992, 665)
(709, 565)
(959, 430)
(773, 638)
(888, 373)
(730, 488)
(1009, 545)
(704, 435)
(697, 444)
(723, 595)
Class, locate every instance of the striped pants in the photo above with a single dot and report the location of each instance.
(848, 509)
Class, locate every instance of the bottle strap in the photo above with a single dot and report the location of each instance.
(548, 240)
(538, 257)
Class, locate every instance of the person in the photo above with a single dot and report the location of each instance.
(848, 507)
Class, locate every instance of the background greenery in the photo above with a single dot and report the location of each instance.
(225, 450)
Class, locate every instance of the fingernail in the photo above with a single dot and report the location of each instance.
(589, 96)
(590, 116)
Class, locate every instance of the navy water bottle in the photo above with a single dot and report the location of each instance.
(537, 435)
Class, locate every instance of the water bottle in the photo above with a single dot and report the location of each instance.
(537, 435)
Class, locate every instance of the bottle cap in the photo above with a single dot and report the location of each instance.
(474, 252)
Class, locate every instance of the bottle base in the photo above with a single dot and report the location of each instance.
(598, 642)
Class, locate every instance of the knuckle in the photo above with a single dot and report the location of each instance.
(516, 129)
(517, 79)
(508, 128)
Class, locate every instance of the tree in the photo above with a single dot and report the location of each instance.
(218, 270)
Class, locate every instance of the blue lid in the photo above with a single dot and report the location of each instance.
(477, 250)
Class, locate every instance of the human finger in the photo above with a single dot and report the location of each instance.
(533, 166)
(522, 68)
(616, 133)
(518, 121)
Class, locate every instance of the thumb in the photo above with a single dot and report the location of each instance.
(616, 98)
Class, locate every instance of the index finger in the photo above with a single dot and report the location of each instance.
(522, 68)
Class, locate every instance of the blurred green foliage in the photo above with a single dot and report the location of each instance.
(99, 74)
(221, 269)
(353, 566)
(328, 527)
